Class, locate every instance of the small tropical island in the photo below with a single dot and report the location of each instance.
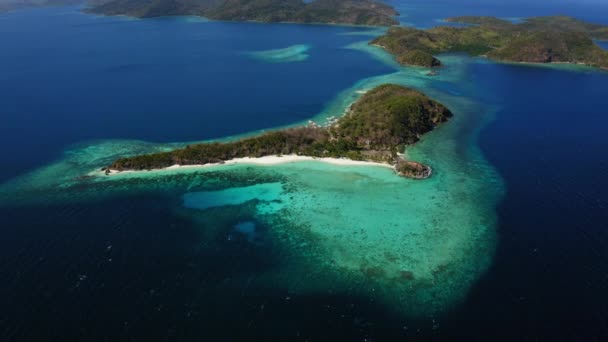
(355, 12)
(553, 39)
(376, 128)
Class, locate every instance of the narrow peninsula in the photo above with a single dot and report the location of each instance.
(554, 39)
(355, 12)
(375, 128)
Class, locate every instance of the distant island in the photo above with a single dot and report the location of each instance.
(554, 39)
(355, 12)
(9, 5)
(375, 128)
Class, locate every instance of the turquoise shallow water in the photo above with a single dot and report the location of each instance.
(294, 53)
(415, 246)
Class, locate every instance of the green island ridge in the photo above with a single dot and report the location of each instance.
(10, 5)
(355, 12)
(375, 128)
(553, 39)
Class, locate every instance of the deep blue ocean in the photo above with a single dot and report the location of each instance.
(550, 274)
(67, 78)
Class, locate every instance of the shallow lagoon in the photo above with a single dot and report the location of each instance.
(415, 246)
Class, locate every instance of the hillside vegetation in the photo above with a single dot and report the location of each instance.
(359, 12)
(536, 40)
(376, 128)
(9, 5)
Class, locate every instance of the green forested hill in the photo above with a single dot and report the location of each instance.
(536, 40)
(8, 5)
(360, 12)
(376, 128)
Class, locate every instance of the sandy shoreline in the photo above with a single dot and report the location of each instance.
(266, 160)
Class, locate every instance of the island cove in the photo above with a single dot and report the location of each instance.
(553, 39)
(374, 129)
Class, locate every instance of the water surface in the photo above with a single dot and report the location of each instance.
(506, 238)
(67, 77)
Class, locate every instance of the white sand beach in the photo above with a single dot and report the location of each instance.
(266, 160)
